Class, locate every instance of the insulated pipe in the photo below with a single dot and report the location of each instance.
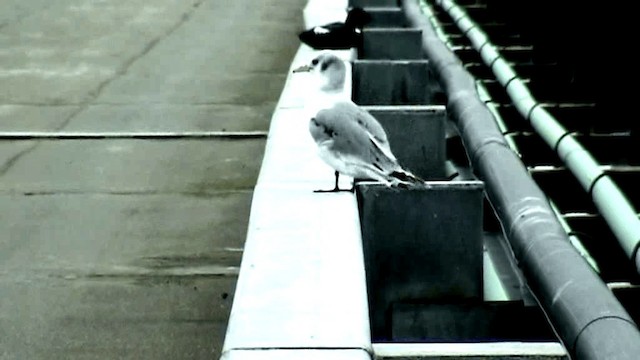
(575, 241)
(590, 321)
(610, 201)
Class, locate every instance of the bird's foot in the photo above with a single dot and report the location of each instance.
(335, 190)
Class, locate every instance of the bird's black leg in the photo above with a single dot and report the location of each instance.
(336, 188)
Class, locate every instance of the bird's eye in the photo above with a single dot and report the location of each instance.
(314, 62)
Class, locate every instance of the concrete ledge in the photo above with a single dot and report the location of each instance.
(301, 291)
(297, 354)
(302, 280)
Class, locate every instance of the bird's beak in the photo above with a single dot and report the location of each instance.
(303, 68)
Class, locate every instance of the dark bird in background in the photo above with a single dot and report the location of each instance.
(337, 35)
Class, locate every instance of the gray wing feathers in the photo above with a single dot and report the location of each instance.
(367, 122)
(354, 145)
(364, 119)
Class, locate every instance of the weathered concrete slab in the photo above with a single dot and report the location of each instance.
(46, 59)
(173, 117)
(107, 67)
(114, 318)
(15, 10)
(147, 276)
(120, 234)
(183, 69)
(11, 150)
(208, 89)
(34, 117)
(121, 166)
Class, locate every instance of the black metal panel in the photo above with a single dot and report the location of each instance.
(417, 137)
(373, 3)
(393, 82)
(386, 18)
(501, 321)
(420, 244)
(391, 44)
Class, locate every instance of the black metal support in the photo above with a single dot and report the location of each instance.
(391, 17)
(392, 82)
(470, 322)
(417, 137)
(391, 44)
(374, 3)
(420, 244)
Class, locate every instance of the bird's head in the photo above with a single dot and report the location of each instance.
(329, 68)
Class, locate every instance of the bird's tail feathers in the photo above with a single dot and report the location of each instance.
(403, 177)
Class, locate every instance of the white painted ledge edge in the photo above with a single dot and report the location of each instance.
(301, 290)
(491, 350)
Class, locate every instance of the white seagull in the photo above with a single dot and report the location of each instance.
(350, 139)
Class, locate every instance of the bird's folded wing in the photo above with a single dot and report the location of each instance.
(365, 120)
(362, 148)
